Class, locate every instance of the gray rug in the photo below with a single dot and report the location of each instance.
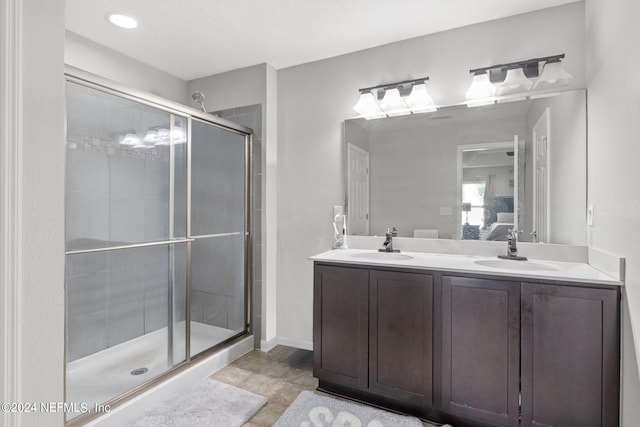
(207, 403)
(310, 409)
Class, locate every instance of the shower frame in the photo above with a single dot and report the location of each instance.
(93, 81)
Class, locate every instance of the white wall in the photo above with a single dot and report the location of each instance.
(43, 208)
(315, 98)
(237, 88)
(247, 86)
(37, 181)
(613, 61)
(97, 59)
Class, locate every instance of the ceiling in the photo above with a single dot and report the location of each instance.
(197, 38)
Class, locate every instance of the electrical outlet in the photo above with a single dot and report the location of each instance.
(338, 210)
(590, 215)
(446, 211)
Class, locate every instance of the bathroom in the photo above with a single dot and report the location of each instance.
(302, 147)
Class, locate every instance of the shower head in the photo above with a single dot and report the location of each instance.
(198, 97)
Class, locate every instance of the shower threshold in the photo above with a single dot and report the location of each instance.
(103, 376)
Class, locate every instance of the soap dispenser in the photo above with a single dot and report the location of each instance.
(339, 230)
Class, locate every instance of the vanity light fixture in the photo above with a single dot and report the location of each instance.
(367, 106)
(167, 137)
(154, 137)
(122, 21)
(553, 75)
(393, 103)
(177, 135)
(130, 138)
(419, 100)
(481, 91)
(151, 137)
(515, 82)
(515, 77)
(163, 137)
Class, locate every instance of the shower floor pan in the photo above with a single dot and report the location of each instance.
(103, 376)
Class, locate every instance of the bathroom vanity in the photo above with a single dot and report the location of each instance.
(469, 340)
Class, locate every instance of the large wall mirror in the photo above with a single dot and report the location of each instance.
(472, 173)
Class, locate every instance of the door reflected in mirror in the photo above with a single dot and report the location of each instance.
(411, 171)
(488, 178)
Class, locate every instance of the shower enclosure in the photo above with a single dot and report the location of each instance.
(157, 239)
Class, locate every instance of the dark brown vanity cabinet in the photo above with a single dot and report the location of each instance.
(556, 345)
(401, 336)
(481, 349)
(341, 326)
(469, 349)
(373, 333)
(570, 356)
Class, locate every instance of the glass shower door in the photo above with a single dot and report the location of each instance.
(126, 246)
(219, 227)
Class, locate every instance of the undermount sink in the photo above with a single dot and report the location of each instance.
(516, 265)
(383, 256)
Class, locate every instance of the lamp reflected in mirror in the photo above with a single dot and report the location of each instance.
(466, 208)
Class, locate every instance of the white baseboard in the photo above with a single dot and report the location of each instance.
(304, 345)
(132, 409)
(267, 346)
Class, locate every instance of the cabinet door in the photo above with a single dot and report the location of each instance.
(480, 349)
(570, 356)
(401, 336)
(341, 325)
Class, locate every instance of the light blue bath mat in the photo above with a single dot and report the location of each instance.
(324, 410)
(207, 403)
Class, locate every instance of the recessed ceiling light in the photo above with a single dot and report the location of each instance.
(123, 21)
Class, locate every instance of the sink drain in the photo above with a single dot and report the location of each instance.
(139, 371)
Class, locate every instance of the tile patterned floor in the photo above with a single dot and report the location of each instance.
(279, 375)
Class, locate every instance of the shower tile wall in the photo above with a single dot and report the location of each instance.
(251, 116)
(217, 280)
(115, 296)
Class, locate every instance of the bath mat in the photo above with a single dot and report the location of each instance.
(207, 403)
(311, 409)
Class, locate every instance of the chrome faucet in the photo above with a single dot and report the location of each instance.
(388, 241)
(512, 241)
(512, 248)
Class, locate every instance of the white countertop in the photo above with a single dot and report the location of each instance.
(533, 269)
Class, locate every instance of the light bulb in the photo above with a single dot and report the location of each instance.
(367, 106)
(419, 100)
(123, 21)
(481, 87)
(392, 101)
(553, 75)
(515, 82)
